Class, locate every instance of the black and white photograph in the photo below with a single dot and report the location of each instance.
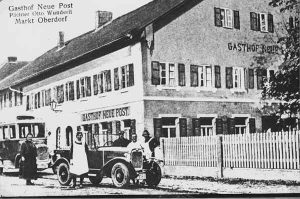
(149, 98)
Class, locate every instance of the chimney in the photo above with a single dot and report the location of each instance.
(12, 59)
(61, 40)
(102, 17)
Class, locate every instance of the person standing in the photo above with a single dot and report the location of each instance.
(149, 144)
(28, 168)
(134, 144)
(78, 159)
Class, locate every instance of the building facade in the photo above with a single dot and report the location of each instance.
(188, 68)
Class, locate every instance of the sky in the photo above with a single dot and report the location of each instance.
(30, 40)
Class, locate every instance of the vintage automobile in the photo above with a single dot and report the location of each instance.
(117, 163)
(13, 133)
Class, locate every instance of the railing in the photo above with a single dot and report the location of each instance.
(276, 150)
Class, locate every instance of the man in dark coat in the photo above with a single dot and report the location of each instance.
(121, 141)
(28, 158)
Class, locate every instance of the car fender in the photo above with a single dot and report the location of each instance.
(108, 166)
(17, 160)
(60, 160)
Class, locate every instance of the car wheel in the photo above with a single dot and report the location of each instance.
(63, 174)
(153, 175)
(120, 175)
(95, 180)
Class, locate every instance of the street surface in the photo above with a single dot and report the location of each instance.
(47, 185)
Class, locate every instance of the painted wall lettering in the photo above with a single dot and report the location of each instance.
(105, 114)
(259, 48)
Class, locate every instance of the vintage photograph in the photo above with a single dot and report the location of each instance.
(149, 98)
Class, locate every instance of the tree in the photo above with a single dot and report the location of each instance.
(285, 84)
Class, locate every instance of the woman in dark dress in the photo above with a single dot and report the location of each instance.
(28, 158)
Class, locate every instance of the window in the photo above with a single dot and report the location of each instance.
(24, 129)
(227, 18)
(235, 77)
(194, 76)
(181, 74)
(293, 22)
(6, 134)
(70, 91)
(168, 127)
(205, 76)
(240, 125)
(206, 126)
(127, 76)
(47, 97)
(261, 22)
(83, 86)
(12, 130)
(261, 77)
(238, 78)
(60, 93)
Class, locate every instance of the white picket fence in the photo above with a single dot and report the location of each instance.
(276, 150)
(190, 151)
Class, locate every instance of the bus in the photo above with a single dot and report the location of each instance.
(13, 133)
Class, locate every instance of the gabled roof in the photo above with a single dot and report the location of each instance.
(9, 68)
(94, 40)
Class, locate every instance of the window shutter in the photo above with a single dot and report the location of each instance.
(181, 74)
(218, 17)
(196, 127)
(21, 96)
(71, 90)
(132, 128)
(27, 103)
(77, 89)
(272, 75)
(108, 81)
(224, 125)
(217, 76)
(183, 127)
(118, 127)
(67, 91)
(251, 78)
(155, 73)
(219, 126)
(157, 127)
(231, 126)
(246, 78)
(236, 20)
(131, 75)
(88, 86)
(101, 82)
(261, 76)
(116, 79)
(252, 125)
(229, 81)
(270, 23)
(95, 84)
(194, 76)
(252, 21)
(291, 22)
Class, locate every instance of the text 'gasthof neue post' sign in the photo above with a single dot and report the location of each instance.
(259, 48)
(106, 114)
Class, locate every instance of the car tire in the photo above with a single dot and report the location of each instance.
(63, 174)
(120, 175)
(153, 175)
(95, 180)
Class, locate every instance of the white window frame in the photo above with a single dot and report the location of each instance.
(214, 116)
(204, 76)
(171, 77)
(263, 23)
(68, 91)
(227, 17)
(177, 116)
(247, 124)
(238, 79)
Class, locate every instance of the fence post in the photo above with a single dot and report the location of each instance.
(220, 156)
(163, 150)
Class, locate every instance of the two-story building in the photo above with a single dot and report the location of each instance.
(174, 67)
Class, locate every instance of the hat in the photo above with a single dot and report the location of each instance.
(145, 133)
(121, 132)
(79, 129)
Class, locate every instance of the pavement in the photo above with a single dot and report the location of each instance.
(47, 185)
